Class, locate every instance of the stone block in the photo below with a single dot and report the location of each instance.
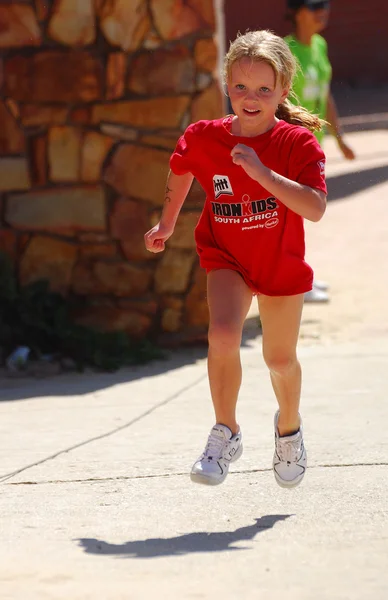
(42, 9)
(54, 76)
(206, 55)
(129, 222)
(95, 251)
(119, 132)
(162, 72)
(203, 81)
(8, 243)
(93, 238)
(12, 140)
(114, 318)
(95, 148)
(64, 154)
(196, 197)
(61, 210)
(152, 40)
(38, 160)
(160, 141)
(209, 104)
(196, 308)
(115, 75)
(10, 103)
(172, 309)
(124, 23)
(73, 22)
(50, 259)
(35, 115)
(205, 9)
(80, 115)
(155, 113)
(23, 239)
(174, 18)
(173, 272)
(14, 174)
(138, 172)
(183, 236)
(111, 278)
(18, 26)
(145, 306)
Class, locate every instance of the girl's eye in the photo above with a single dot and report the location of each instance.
(240, 86)
(265, 89)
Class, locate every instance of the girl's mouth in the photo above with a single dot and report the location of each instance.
(253, 112)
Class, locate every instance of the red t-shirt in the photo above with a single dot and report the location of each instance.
(243, 226)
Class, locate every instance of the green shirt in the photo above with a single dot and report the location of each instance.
(312, 82)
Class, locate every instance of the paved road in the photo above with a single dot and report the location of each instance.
(96, 502)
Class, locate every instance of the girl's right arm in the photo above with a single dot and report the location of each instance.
(177, 188)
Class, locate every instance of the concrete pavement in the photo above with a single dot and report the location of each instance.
(95, 498)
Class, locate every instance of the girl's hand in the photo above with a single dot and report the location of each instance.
(247, 158)
(346, 150)
(156, 237)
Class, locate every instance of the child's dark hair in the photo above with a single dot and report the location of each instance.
(265, 46)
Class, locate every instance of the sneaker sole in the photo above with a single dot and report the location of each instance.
(288, 484)
(205, 480)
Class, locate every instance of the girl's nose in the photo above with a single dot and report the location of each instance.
(251, 95)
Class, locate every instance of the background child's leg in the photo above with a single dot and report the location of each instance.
(229, 300)
(280, 318)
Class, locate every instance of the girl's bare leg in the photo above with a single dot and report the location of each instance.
(280, 317)
(229, 300)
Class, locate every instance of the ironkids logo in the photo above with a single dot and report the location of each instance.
(222, 185)
(246, 208)
(247, 211)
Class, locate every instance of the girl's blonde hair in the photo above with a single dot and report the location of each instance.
(265, 46)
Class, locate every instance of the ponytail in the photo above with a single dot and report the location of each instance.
(297, 115)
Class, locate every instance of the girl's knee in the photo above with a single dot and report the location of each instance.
(281, 363)
(224, 337)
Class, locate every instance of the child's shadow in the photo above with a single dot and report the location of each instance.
(182, 544)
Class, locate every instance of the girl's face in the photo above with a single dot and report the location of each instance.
(254, 95)
(312, 20)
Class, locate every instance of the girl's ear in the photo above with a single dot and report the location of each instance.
(284, 94)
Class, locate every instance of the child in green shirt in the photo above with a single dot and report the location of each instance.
(312, 83)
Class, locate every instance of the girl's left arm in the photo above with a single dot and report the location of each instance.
(302, 199)
(335, 129)
(306, 201)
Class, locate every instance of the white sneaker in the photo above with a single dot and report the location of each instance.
(290, 458)
(316, 295)
(222, 448)
(320, 285)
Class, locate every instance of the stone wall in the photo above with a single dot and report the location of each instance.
(94, 95)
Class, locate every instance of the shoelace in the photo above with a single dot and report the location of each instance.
(288, 450)
(214, 447)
